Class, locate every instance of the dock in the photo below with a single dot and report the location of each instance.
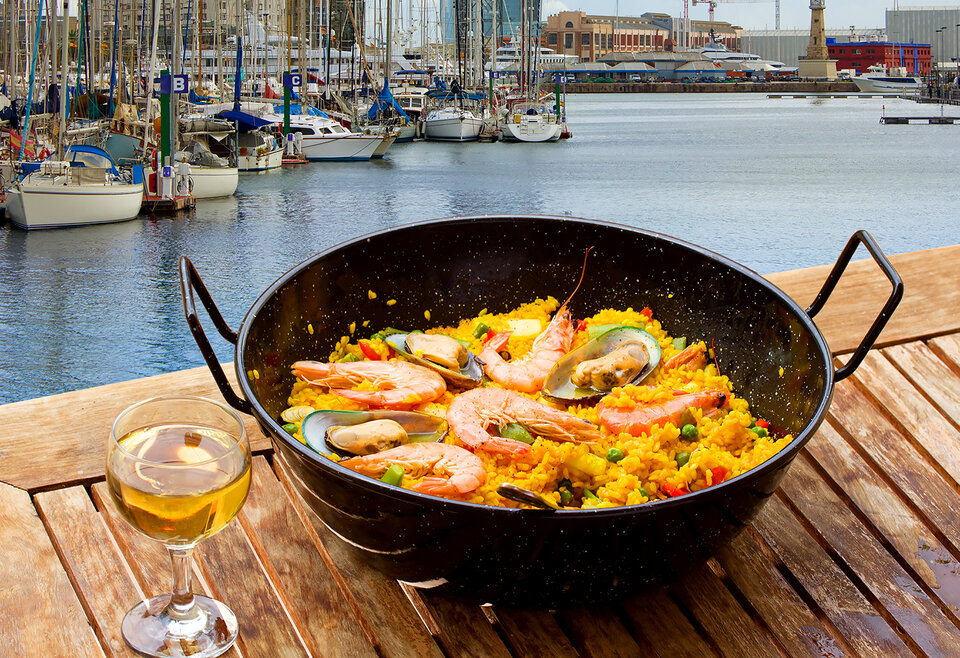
(856, 554)
(864, 95)
(169, 204)
(938, 120)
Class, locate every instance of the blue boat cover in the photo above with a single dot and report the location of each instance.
(197, 99)
(384, 100)
(449, 95)
(301, 109)
(245, 122)
(81, 155)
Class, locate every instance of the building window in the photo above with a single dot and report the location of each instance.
(585, 39)
(568, 40)
(552, 38)
(569, 24)
(596, 38)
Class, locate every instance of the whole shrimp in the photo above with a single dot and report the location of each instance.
(400, 385)
(455, 471)
(472, 412)
(694, 358)
(528, 373)
(639, 420)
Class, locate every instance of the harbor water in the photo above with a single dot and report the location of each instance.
(775, 184)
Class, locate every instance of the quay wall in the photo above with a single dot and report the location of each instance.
(812, 87)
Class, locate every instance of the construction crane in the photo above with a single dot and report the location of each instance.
(713, 5)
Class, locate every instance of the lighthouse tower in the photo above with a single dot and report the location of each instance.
(817, 64)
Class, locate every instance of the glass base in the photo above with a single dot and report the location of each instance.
(150, 630)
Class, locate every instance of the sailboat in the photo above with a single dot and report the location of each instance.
(82, 186)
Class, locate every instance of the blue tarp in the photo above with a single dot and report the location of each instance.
(245, 122)
(449, 95)
(301, 109)
(198, 99)
(384, 100)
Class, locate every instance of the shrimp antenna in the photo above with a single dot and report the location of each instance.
(582, 273)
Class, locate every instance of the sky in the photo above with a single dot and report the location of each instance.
(751, 15)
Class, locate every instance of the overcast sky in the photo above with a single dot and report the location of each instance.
(752, 15)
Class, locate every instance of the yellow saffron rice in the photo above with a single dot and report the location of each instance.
(727, 444)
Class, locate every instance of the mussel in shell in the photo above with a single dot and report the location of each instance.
(620, 356)
(446, 355)
(368, 432)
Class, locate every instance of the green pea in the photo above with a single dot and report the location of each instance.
(760, 431)
(690, 432)
(516, 432)
(566, 497)
(643, 492)
(680, 343)
(350, 358)
(614, 455)
(682, 459)
(393, 475)
(589, 494)
(480, 330)
(290, 428)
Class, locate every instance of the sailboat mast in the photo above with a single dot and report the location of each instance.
(64, 70)
(388, 54)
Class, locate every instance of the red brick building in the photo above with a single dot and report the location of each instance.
(861, 55)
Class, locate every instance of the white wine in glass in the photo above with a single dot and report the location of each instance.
(178, 469)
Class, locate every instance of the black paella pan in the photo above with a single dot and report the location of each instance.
(455, 267)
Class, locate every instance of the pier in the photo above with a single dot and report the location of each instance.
(858, 553)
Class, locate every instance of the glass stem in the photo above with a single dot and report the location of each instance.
(182, 605)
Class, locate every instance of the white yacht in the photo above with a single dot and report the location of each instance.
(717, 52)
(258, 150)
(83, 188)
(508, 57)
(451, 123)
(530, 122)
(325, 139)
(878, 79)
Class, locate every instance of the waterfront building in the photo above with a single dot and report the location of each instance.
(595, 37)
(788, 46)
(859, 56)
(923, 25)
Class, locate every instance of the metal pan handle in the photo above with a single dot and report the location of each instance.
(191, 282)
(858, 238)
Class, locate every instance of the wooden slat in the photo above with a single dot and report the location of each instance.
(931, 297)
(596, 632)
(96, 569)
(452, 617)
(146, 558)
(793, 623)
(930, 374)
(382, 605)
(721, 616)
(898, 399)
(38, 605)
(83, 420)
(534, 633)
(916, 544)
(309, 590)
(234, 575)
(907, 604)
(948, 347)
(661, 624)
(825, 583)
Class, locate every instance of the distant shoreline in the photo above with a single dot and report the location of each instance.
(812, 87)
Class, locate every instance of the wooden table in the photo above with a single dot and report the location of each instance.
(858, 553)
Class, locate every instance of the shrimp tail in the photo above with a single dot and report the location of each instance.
(497, 341)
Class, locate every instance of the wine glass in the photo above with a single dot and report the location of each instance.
(178, 469)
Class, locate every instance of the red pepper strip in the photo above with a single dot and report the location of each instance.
(646, 311)
(581, 325)
(762, 423)
(719, 474)
(490, 334)
(673, 491)
(369, 352)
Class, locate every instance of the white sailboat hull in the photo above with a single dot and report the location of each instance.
(42, 206)
(530, 131)
(887, 84)
(464, 128)
(350, 146)
(260, 162)
(213, 182)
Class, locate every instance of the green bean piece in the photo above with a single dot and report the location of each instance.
(480, 330)
(389, 331)
(290, 428)
(690, 432)
(589, 494)
(377, 336)
(465, 343)
(643, 492)
(566, 497)
(680, 343)
(760, 431)
(350, 358)
(682, 459)
(516, 432)
(393, 475)
(614, 455)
